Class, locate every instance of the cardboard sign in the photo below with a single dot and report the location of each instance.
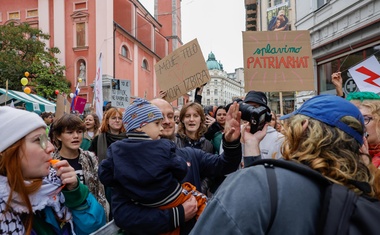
(182, 70)
(278, 61)
(121, 97)
(63, 106)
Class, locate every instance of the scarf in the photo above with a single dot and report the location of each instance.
(103, 140)
(374, 151)
(49, 195)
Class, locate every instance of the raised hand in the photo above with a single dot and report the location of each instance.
(232, 126)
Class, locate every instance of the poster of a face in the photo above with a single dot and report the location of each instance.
(278, 18)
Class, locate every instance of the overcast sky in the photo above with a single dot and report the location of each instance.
(218, 26)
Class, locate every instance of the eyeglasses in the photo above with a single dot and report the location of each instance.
(44, 141)
(367, 119)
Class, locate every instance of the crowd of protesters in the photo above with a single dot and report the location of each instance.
(153, 169)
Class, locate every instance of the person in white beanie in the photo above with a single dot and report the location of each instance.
(36, 196)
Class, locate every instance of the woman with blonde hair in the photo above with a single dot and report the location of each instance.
(37, 196)
(192, 127)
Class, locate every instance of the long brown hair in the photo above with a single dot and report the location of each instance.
(110, 113)
(202, 127)
(10, 166)
(96, 122)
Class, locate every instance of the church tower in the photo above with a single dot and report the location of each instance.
(168, 13)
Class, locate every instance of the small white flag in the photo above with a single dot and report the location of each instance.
(99, 89)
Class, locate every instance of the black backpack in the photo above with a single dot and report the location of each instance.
(342, 212)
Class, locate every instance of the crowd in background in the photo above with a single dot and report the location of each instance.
(112, 165)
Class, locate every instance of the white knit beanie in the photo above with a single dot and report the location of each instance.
(15, 124)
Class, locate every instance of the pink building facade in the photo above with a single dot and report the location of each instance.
(130, 39)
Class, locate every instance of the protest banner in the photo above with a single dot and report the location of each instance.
(278, 61)
(120, 95)
(182, 70)
(367, 74)
(80, 104)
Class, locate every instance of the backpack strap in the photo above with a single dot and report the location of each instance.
(296, 167)
(337, 207)
(272, 183)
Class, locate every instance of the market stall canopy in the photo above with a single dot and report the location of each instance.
(31, 102)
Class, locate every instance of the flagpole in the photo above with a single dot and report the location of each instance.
(6, 92)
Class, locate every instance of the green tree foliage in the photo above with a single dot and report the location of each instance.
(23, 48)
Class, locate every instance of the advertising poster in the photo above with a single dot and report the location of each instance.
(278, 18)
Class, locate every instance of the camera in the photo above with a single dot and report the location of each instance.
(257, 117)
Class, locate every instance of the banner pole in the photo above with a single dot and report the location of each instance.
(281, 108)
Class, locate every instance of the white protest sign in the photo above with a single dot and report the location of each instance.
(367, 75)
(121, 97)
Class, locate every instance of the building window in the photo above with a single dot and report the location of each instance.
(80, 6)
(14, 15)
(31, 13)
(277, 2)
(320, 3)
(216, 82)
(81, 34)
(124, 52)
(216, 102)
(145, 64)
(208, 102)
(80, 30)
(327, 68)
(269, 3)
(208, 91)
(215, 91)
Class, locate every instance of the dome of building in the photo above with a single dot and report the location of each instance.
(212, 63)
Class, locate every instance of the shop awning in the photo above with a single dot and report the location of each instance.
(31, 102)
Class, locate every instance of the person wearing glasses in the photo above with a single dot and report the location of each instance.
(68, 135)
(369, 105)
(111, 130)
(35, 196)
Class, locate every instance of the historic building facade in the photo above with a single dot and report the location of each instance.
(223, 87)
(343, 33)
(130, 39)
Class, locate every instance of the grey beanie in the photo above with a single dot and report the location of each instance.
(16, 124)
